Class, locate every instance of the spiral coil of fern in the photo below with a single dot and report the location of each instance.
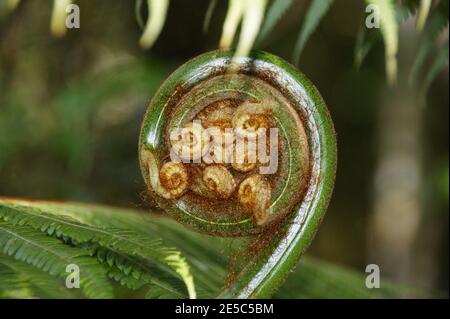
(260, 92)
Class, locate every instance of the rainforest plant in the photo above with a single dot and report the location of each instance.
(238, 233)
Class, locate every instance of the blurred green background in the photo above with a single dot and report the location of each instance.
(71, 108)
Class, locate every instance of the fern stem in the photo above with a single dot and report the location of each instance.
(306, 192)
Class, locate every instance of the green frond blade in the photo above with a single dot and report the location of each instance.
(137, 12)
(166, 261)
(274, 14)
(157, 12)
(389, 30)
(51, 255)
(365, 41)
(367, 38)
(422, 15)
(232, 19)
(251, 24)
(437, 22)
(208, 15)
(58, 20)
(17, 276)
(13, 285)
(315, 13)
(208, 257)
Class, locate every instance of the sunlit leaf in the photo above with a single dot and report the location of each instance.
(253, 17)
(58, 20)
(137, 12)
(157, 12)
(422, 15)
(232, 19)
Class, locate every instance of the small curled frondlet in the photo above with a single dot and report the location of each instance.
(191, 144)
(174, 179)
(248, 118)
(243, 152)
(219, 180)
(255, 196)
(217, 148)
(219, 114)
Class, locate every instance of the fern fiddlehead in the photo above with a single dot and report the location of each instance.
(196, 141)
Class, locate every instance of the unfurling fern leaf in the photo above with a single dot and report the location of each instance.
(53, 256)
